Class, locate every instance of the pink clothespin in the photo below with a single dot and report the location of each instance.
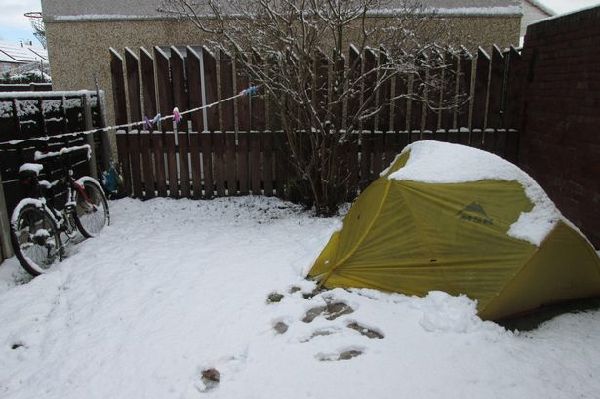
(176, 115)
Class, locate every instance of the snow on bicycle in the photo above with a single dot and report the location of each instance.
(55, 208)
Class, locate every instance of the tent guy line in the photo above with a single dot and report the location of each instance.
(250, 91)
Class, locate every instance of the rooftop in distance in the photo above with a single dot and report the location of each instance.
(22, 53)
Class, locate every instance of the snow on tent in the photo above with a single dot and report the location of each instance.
(446, 217)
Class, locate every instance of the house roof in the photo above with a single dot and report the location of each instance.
(16, 53)
(6, 58)
(557, 7)
(67, 10)
(532, 12)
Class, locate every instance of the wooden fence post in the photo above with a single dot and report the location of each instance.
(5, 245)
(120, 110)
(86, 101)
(104, 137)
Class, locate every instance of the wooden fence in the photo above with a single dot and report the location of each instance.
(26, 87)
(238, 148)
(31, 114)
(27, 116)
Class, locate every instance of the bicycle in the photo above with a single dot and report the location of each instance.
(36, 224)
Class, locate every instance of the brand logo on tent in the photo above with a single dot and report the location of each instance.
(475, 213)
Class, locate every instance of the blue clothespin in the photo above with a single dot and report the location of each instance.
(250, 91)
(156, 121)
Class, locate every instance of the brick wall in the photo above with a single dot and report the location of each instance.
(560, 144)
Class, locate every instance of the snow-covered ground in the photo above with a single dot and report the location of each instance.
(176, 287)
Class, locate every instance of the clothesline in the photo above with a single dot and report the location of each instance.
(176, 115)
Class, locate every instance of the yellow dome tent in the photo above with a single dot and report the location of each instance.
(452, 218)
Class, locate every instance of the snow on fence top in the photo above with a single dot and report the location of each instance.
(438, 162)
(31, 167)
(9, 95)
(38, 155)
(559, 7)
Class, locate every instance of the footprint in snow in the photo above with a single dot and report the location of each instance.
(366, 331)
(345, 354)
(320, 333)
(331, 311)
(210, 378)
(370, 333)
(274, 297)
(280, 327)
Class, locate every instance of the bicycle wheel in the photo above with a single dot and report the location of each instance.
(35, 238)
(91, 210)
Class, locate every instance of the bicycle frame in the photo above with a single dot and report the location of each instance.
(73, 188)
(63, 222)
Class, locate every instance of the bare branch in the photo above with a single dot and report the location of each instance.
(289, 35)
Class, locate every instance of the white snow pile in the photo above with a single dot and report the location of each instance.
(38, 203)
(558, 7)
(31, 167)
(38, 155)
(176, 287)
(441, 312)
(439, 162)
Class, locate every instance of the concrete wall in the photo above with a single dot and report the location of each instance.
(78, 50)
(560, 138)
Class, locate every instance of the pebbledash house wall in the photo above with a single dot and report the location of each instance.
(78, 49)
(560, 134)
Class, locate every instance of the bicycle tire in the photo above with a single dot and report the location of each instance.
(34, 234)
(91, 220)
